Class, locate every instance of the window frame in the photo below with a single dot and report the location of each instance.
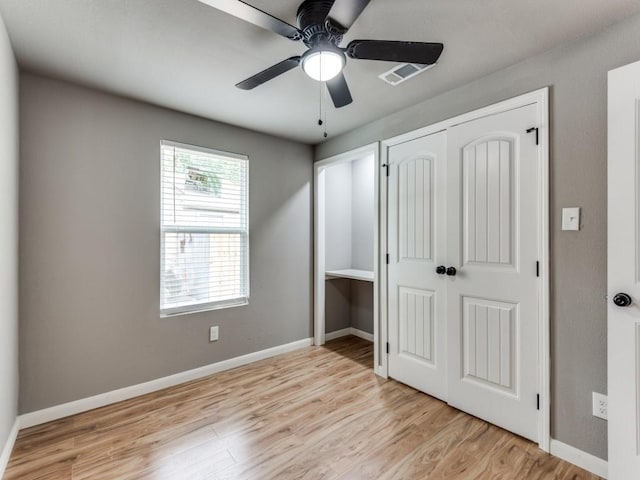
(244, 235)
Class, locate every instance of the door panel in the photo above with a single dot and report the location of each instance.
(415, 187)
(416, 323)
(624, 272)
(492, 239)
(487, 192)
(416, 233)
(489, 356)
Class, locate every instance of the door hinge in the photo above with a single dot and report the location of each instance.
(537, 130)
(537, 269)
(386, 166)
(538, 401)
(388, 348)
(387, 259)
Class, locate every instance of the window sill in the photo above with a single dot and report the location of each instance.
(200, 308)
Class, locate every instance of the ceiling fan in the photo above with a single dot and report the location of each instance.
(321, 26)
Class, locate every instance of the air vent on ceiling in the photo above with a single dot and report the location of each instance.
(403, 72)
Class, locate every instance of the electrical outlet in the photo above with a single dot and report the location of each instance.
(214, 334)
(600, 405)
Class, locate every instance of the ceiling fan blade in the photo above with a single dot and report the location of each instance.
(346, 12)
(270, 73)
(394, 51)
(339, 91)
(250, 14)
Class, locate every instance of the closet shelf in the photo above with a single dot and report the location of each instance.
(364, 275)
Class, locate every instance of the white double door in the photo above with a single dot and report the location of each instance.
(465, 200)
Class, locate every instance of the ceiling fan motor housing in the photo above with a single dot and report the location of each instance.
(315, 25)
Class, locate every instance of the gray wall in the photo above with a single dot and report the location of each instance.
(363, 222)
(337, 302)
(577, 75)
(8, 237)
(90, 243)
(362, 306)
(337, 245)
(338, 216)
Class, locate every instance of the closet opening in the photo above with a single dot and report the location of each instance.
(346, 247)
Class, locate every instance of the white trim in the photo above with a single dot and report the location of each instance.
(382, 367)
(379, 356)
(347, 157)
(337, 334)
(8, 447)
(319, 276)
(349, 331)
(544, 345)
(319, 245)
(362, 334)
(78, 406)
(506, 105)
(201, 149)
(584, 460)
(540, 98)
(203, 307)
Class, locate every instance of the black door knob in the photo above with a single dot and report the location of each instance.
(441, 269)
(622, 300)
(451, 271)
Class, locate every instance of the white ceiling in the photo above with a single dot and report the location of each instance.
(188, 56)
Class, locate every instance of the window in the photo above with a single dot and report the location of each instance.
(205, 229)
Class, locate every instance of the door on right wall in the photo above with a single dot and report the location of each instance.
(624, 273)
(492, 242)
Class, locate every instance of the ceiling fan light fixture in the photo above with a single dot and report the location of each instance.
(323, 64)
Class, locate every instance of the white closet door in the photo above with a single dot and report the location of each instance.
(416, 240)
(492, 242)
(624, 273)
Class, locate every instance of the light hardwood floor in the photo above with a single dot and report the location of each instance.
(317, 413)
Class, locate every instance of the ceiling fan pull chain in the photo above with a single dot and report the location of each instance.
(323, 102)
(320, 104)
(324, 96)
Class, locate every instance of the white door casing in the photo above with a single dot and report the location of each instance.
(492, 241)
(416, 245)
(624, 272)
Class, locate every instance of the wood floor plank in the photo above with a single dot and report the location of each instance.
(318, 413)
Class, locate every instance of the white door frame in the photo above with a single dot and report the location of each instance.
(319, 243)
(540, 98)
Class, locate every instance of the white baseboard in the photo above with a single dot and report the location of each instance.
(362, 334)
(337, 334)
(85, 404)
(348, 331)
(582, 459)
(8, 447)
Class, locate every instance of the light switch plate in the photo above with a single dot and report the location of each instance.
(571, 218)
(214, 334)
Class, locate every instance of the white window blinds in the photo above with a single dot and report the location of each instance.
(205, 229)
